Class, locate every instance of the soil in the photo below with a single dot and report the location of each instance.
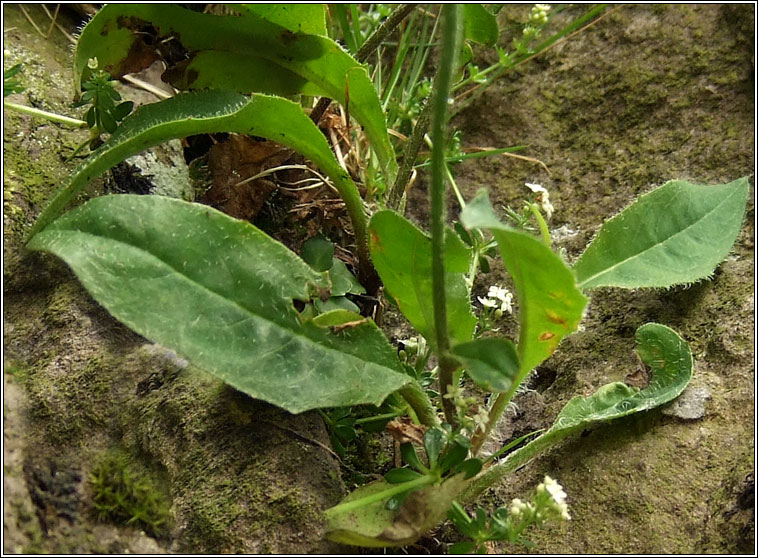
(649, 93)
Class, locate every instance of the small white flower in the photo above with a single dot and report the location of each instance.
(487, 302)
(498, 292)
(543, 198)
(517, 506)
(536, 188)
(481, 418)
(506, 304)
(92, 63)
(453, 392)
(555, 490)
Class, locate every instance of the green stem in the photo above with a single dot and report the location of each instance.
(451, 38)
(382, 495)
(498, 407)
(419, 402)
(513, 461)
(375, 418)
(51, 116)
(544, 231)
(409, 156)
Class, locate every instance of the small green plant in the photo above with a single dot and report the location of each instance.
(104, 114)
(11, 85)
(509, 523)
(122, 496)
(282, 328)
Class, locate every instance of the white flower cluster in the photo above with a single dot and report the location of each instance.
(463, 404)
(549, 504)
(557, 496)
(538, 15)
(519, 508)
(542, 196)
(499, 298)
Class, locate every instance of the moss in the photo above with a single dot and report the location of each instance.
(125, 495)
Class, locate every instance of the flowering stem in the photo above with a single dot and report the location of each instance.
(498, 407)
(544, 231)
(451, 38)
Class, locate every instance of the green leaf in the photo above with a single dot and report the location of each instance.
(480, 25)
(318, 252)
(336, 303)
(411, 457)
(337, 317)
(402, 255)
(675, 234)
(107, 121)
(434, 439)
(189, 114)
(91, 117)
(216, 69)
(455, 453)
(298, 18)
(114, 37)
(670, 362)
(396, 476)
(465, 547)
(122, 110)
(491, 362)
(550, 305)
(220, 292)
(343, 281)
(362, 518)
(470, 468)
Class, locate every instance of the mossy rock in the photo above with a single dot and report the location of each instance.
(114, 445)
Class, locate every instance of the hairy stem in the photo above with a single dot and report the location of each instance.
(419, 402)
(451, 38)
(409, 157)
(498, 407)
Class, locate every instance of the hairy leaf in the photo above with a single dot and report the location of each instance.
(184, 115)
(675, 234)
(491, 362)
(402, 255)
(670, 362)
(220, 292)
(550, 305)
(114, 37)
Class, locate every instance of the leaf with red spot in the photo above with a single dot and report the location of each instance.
(550, 304)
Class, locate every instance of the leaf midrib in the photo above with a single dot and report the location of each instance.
(651, 247)
(245, 311)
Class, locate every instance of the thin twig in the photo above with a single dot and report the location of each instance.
(58, 25)
(52, 18)
(28, 17)
(147, 87)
